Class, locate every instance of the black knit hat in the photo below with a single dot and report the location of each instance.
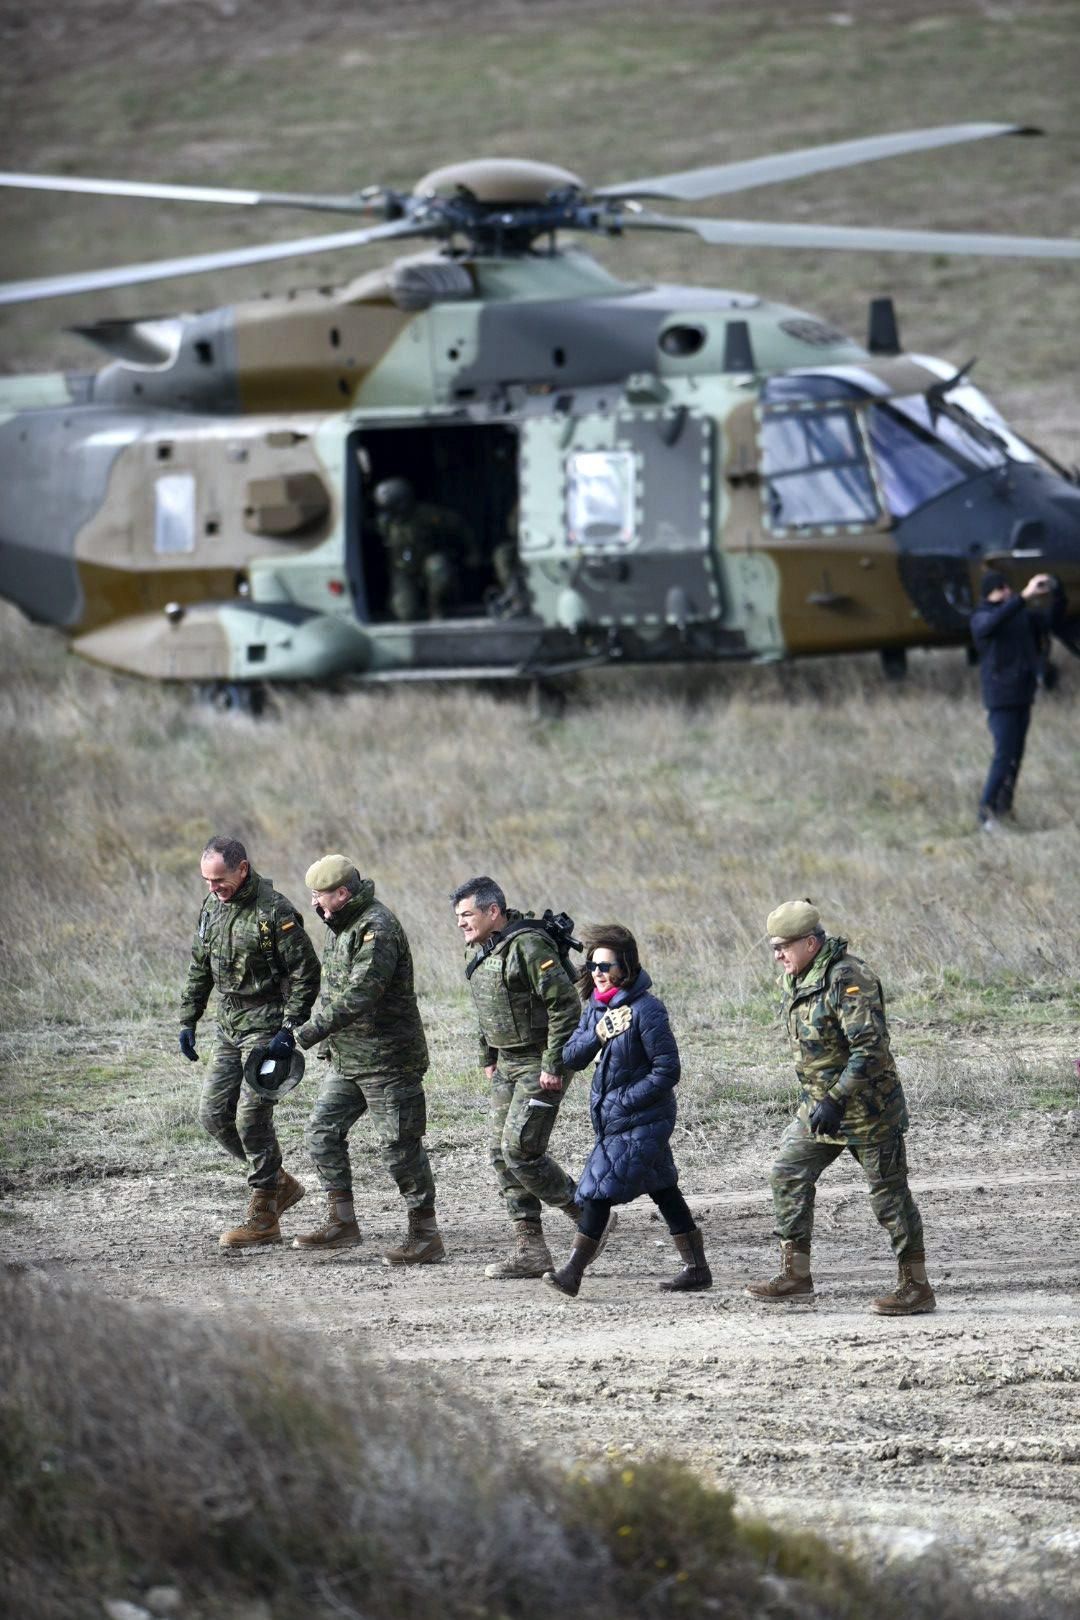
(992, 580)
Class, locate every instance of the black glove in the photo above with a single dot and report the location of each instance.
(827, 1117)
(282, 1045)
(187, 1044)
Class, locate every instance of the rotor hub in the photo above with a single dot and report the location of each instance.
(498, 182)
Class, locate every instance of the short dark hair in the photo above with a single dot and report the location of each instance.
(484, 890)
(231, 851)
(616, 938)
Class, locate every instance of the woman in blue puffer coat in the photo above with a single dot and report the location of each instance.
(633, 1109)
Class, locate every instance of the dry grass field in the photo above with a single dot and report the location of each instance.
(685, 804)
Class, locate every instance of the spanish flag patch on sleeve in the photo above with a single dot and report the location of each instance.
(286, 926)
(545, 965)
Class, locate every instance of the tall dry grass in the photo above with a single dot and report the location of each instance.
(140, 1445)
(686, 805)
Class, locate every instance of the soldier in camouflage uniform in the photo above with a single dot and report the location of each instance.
(425, 546)
(370, 1025)
(250, 945)
(850, 1097)
(527, 1008)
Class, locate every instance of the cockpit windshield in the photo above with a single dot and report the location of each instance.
(921, 453)
(816, 427)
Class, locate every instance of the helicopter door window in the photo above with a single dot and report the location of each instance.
(600, 497)
(174, 513)
(815, 469)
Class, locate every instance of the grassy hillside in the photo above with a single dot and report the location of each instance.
(341, 96)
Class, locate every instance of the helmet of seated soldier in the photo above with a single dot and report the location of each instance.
(394, 495)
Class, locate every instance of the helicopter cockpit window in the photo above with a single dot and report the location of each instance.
(919, 454)
(600, 497)
(815, 469)
(174, 513)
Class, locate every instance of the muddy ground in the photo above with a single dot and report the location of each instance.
(958, 1431)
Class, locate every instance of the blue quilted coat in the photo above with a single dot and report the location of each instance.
(633, 1096)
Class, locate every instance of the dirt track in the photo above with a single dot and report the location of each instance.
(960, 1429)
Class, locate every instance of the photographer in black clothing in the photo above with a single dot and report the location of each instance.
(1010, 636)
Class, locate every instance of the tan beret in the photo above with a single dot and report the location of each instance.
(792, 920)
(329, 873)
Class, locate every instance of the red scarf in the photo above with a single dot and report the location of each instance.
(604, 996)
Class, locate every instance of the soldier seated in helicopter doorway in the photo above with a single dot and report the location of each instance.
(425, 547)
(509, 597)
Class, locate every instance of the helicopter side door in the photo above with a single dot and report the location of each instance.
(826, 525)
(616, 517)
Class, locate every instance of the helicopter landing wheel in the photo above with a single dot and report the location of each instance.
(546, 700)
(235, 697)
(894, 663)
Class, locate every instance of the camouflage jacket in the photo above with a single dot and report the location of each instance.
(835, 1017)
(413, 536)
(525, 1004)
(254, 951)
(367, 1008)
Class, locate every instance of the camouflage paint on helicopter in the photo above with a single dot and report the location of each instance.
(686, 474)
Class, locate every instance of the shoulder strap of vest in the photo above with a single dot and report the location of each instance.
(264, 906)
(558, 931)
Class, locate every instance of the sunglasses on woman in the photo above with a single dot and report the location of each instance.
(601, 967)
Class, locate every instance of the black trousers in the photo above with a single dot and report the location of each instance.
(1009, 728)
(669, 1201)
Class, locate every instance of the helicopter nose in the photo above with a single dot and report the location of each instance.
(1024, 520)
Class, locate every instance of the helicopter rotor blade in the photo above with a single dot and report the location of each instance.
(864, 239)
(129, 275)
(691, 185)
(358, 203)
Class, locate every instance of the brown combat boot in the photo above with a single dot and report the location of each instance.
(695, 1273)
(338, 1231)
(529, 1257)
(260, 1224)
(573, 1211)
(792, 1281)
(287, 1190)
(424, 1244)
(912, 1295)
(567, 1280)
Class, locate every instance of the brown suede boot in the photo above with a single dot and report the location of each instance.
(912, 1295)
(339, 1230)
(423, 1246)
(260, 1224)
(529, 1257)
(695, 1273)
(793, 1280)
(573, 1211)
(567, 1280)
(287, 1190)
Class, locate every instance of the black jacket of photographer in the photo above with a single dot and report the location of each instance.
(1012, 639)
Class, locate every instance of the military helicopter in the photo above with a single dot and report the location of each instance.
(643, 474)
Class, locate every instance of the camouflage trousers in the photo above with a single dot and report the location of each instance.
(522, 1120)
(398, 1110)
(802, 1157)
(232, 1113)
